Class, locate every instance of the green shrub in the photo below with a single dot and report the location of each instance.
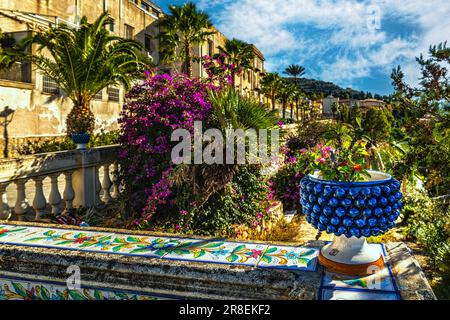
(243, 201)
(62, 144)
(428, 222)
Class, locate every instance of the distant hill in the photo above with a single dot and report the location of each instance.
(324, 89)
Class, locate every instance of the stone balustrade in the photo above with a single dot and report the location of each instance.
(81, 171)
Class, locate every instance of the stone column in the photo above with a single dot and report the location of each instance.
(84, 179)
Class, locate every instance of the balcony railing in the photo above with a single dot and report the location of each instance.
(80, 170)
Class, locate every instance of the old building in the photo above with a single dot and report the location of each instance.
(39, 108)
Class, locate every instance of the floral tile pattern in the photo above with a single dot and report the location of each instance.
(285, 257)
(25, 289)
(379, 281)
(378, 286)
(10, 233)
(211, 251)
(218, 252)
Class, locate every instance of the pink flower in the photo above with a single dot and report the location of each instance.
(259, 215)
(177, 227)
(183, 212)
(322, 160)
(280, 124)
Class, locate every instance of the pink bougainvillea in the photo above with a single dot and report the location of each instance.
(156, 107)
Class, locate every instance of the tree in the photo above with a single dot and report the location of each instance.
(423, 114)
(85, 60)
(183, 28)
(285, 93)
(376, 124)
(270, 84)
(295, 70)
(239, 55)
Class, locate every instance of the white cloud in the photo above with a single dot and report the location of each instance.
(335, 36)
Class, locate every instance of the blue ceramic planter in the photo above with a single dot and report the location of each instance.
(81, 138)
(353, 209)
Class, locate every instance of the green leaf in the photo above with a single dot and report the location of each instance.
(133, 239)
(199, 254)
(98, 295)
(239, 248)
(232, 257)
(35, 239)
(271, 250)
(19, 289)
(45, 294)
(266, 259)
(308, 253)
(117, 248)
(304, 261)
(76, 295)
(214, 245)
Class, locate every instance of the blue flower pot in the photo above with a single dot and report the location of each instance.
(81, 139)
(351, 209)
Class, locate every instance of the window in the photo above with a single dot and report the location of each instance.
(113, 94)
(99, 95)
(19, 71)
(129, 32)
(49, 85)
(148, 43)
(111, 25)
(145, 6)
(210, 48)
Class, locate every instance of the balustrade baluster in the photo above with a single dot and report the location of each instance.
(115, 183)
(98, 186)
(55, 196)
(69, 193)
(5, 210)
(39, 202)
(106, 185)
(21, 205)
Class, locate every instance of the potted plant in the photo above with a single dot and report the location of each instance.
(80, 133)
(341, 197)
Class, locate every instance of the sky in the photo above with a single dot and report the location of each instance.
(353, 43)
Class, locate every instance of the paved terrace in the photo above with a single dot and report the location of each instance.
(123, 264)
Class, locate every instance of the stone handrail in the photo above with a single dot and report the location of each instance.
(80, 168)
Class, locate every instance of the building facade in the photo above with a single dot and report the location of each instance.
(39, 107)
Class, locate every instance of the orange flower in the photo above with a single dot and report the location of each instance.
(357, 167)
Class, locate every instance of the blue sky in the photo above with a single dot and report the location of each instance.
(352, 43)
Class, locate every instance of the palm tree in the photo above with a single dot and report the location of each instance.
(184, 27)
(270, 85)
(295, 70)
(240, 54)
(230, 111)
(83, 61)
(285, 94)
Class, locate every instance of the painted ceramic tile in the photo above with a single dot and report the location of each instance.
(218, 252)
(99, 242)
(285, 257)
(21, 289)
(336, 294)
(379, 281)
(143, 245)
(9, 233)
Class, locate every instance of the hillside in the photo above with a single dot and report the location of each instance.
(323, 88)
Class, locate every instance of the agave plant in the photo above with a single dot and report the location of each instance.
(83, 61)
